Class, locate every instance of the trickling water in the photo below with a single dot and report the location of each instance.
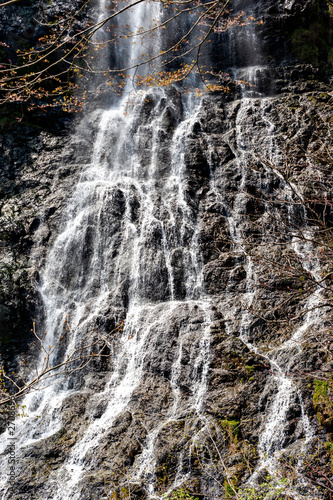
(128, 241)
(286, 394)
(142, 258)
(273, 436)
(129, 247)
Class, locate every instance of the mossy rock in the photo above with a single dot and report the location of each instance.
(230, 488)
(323, 403)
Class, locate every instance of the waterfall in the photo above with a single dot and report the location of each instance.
(131, 247)
(281, 388)
(273, 440)
(127, 248)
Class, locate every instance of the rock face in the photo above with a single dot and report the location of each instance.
(196, 223)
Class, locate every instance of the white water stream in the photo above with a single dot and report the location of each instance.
(273, 440)
(129, 240)
(124, 231)
(274, 434)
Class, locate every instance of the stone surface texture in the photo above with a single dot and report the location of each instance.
(237, 145)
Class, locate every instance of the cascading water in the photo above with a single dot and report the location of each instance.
(273, 437)
(273, 440)
(128, 241)
(130, 247)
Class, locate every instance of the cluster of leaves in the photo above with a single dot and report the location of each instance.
(42, 75)
(49, 74)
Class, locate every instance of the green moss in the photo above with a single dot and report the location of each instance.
(270, 488)
(61, 433)
(329, 448)
(8, 122)
(230, 488)
(181, 494)
(323, 402)
(311, 42)
(232, 426)
(5, 340)
(320, 391)
(162, 474)
(324, 97)
(12, 118)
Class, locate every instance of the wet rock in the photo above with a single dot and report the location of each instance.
(205, 376)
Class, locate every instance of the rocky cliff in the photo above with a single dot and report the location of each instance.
(203, 232)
